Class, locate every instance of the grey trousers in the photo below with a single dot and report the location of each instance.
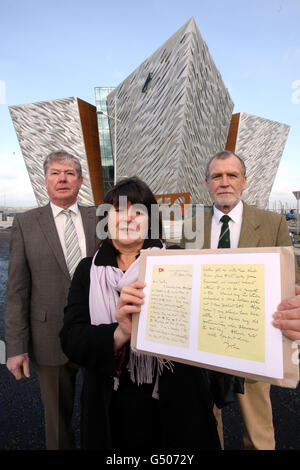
(57, 384)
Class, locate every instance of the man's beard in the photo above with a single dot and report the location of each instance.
(226, 202)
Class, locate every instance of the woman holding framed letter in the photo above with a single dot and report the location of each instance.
(130, 400)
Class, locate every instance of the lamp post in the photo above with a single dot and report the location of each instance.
(297, 196)
(115, 146)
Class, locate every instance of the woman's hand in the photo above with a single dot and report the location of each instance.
(131, 300)
(287, 317)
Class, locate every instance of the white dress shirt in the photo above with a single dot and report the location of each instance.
(60, 220)
(235, 224)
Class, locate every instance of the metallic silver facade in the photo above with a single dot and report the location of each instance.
(172, 114)
(260, 142)
(45, 127)
(167, 133)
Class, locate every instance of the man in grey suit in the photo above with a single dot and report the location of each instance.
(231, 223)
(41, 265)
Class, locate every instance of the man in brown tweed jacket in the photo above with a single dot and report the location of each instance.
(248, 227)
(37, 289)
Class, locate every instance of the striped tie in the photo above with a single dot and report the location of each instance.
(73, 253)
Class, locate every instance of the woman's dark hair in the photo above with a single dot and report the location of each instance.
(137, 192)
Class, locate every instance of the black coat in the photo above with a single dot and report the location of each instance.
(182, 418)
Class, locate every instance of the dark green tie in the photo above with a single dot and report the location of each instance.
(224, 240)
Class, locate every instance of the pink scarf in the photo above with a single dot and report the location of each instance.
(106, 283)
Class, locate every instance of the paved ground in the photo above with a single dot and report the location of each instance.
(21, 415)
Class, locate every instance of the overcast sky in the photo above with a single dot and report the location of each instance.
(57, 49)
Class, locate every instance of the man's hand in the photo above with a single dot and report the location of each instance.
(19, 366)
(287, 317)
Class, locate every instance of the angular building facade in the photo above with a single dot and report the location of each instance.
(162, 123)
(260, 143)
(65, 124)
(173, 113)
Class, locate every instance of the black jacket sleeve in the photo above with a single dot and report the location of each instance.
(87, 345)
(224, 387)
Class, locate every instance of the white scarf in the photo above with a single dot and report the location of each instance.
(106, 283)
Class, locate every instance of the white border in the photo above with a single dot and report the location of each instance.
(273, 365)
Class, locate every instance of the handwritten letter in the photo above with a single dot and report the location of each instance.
(232, 316)
(168, 319)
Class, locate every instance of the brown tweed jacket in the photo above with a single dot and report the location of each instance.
(38, 284)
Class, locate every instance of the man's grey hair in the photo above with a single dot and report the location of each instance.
(61, 155)
(222, 156)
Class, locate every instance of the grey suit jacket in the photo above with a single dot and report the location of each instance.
(38, 284)
(259, 228)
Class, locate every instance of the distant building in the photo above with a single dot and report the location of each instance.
(6, 221)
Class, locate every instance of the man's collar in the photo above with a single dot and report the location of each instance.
(57, 210)
(235, 214)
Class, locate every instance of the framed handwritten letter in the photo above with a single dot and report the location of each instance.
(214, 308)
